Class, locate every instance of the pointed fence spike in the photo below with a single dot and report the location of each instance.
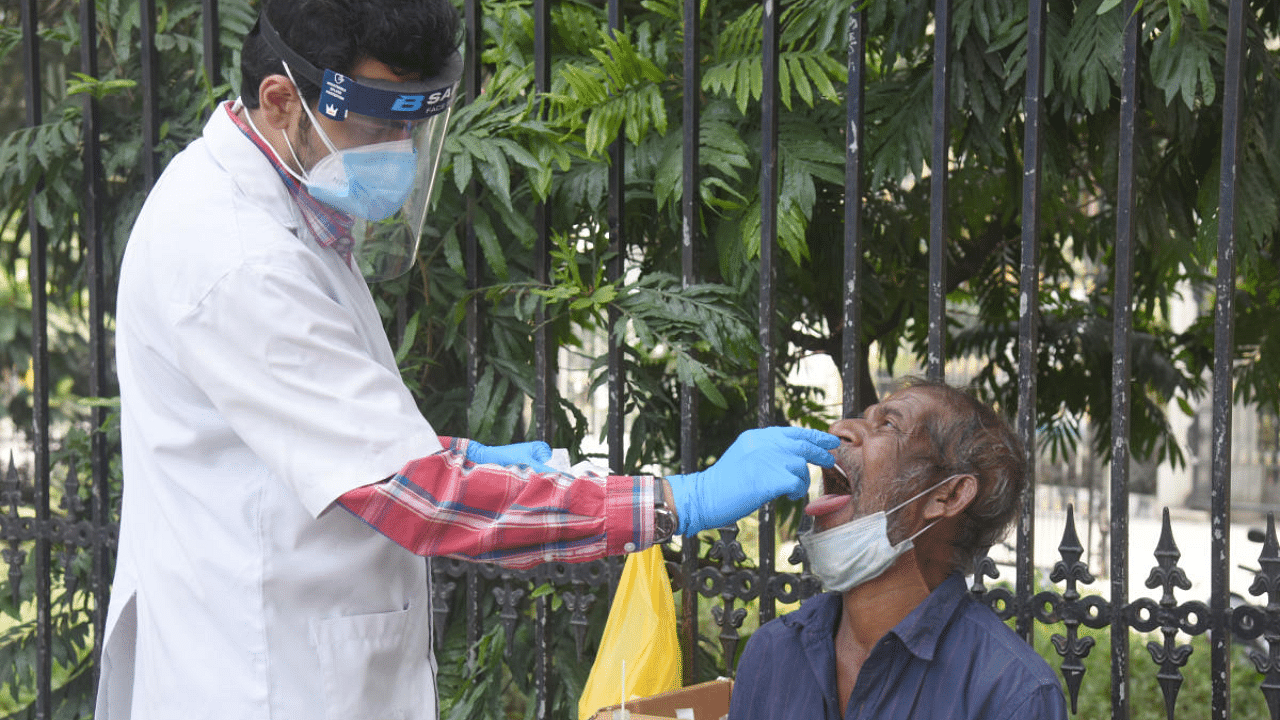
(1167, 574)
(1070, 568)
(1267, 578)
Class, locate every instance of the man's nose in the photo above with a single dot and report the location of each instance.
(849, 430)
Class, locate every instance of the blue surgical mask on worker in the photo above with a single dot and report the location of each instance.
(370, 182)
(396, 130)
(850, 554)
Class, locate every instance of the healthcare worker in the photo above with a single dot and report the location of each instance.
(280, 484)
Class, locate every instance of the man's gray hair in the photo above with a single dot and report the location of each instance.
(972, 439)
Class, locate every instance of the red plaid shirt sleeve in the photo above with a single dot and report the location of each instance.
(446, 505)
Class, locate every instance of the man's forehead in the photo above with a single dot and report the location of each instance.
(917, 401)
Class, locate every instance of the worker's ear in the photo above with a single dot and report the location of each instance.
(278, 101)
(950, 499)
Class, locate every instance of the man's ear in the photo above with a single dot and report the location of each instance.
(951, 499)
(278, 101)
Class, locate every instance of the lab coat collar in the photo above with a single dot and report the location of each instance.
(252, 172)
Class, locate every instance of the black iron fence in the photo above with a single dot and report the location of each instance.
(39, 538)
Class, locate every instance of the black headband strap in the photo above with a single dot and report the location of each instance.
(385, 99)
(296, 62)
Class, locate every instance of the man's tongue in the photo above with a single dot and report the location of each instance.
(826, 505)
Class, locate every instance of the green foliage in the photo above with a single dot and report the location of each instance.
(1146, 699)
(50, 156)
(516, 155)
(48, 160)
(495, 677)
(629, 82)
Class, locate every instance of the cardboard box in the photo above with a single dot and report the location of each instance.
(704, 701)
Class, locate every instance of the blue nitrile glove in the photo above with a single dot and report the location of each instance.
(534, 454)
(758, 467)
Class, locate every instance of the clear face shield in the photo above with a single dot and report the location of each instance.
(384, 148)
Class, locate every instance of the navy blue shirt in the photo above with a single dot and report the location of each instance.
(950, 658)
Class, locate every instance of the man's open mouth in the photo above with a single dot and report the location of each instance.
(834, 482)
(836, 493)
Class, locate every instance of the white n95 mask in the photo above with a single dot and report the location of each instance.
(848, 555)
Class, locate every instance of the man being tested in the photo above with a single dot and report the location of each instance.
(934, 477)
(280, 482)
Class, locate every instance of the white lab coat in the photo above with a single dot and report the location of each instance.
(257, 386)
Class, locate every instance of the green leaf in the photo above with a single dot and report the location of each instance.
(489, 245)
(819, 78)
(784, 83)
(461, 170)
(709, 390)
(803, 88)
(497, 174)
(410, 335)
(742, 84)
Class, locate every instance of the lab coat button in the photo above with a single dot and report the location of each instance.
(629, 547)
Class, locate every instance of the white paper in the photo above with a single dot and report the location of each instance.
(560, 461)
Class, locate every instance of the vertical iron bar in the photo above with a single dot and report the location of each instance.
(471, 86)
(212, 43)
(543, 351)
(691, 179)
(471, 250)
(616, 420)
(1122, 337)
(1029, 302)
(95, 251)
(615, 429)
(149, 58)
(768, 210)
(471, 614)
(1223, 355)
(37, 272)
(542, 225)
(768, 245)
(938, 172)
(613, 273)
(542, 658)
(851, 335)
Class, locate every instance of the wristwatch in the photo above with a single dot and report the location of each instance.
(664, 521)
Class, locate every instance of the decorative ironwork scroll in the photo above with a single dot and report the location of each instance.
(1169, 655)
(1248, 622)
(1070, 608)
(730, 583)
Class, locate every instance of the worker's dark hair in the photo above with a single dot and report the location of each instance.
(412, 37)
(971, 438)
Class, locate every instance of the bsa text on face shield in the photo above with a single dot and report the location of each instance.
(413, 103)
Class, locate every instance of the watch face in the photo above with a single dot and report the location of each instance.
(664, 524)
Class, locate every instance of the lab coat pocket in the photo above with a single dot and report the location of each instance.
(377, 667)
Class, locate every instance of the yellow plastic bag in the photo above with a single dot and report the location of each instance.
(641, 630)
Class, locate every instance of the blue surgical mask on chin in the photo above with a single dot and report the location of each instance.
(848, 555)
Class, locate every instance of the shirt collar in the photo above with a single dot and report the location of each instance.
(815, 622)
(922, 628)
(919, 631)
